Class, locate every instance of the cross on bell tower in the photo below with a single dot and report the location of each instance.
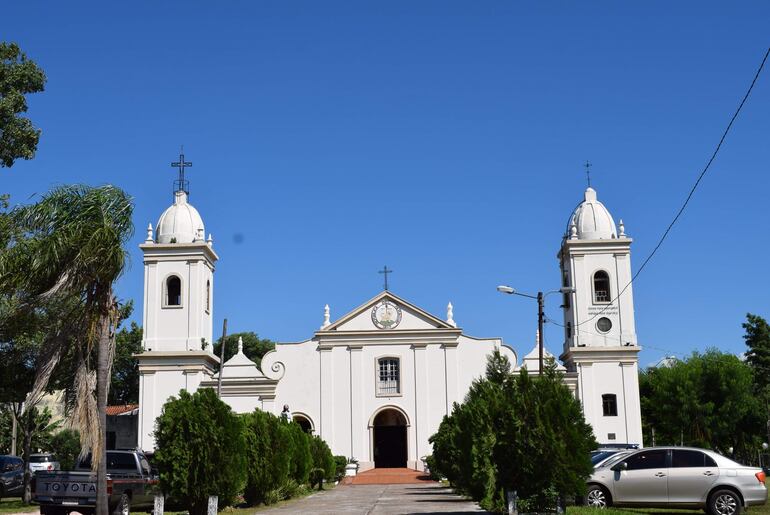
(181, 184)
(588, 172)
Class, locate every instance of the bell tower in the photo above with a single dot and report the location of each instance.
(177, 311)
(600, 335)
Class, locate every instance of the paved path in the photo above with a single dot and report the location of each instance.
(426, 497)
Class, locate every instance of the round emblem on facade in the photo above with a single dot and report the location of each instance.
(604, 324)
(386, 315)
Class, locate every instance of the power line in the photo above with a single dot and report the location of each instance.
(692, 190)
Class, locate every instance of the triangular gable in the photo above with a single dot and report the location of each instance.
(412, 317)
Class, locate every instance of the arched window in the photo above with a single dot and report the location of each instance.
(173, 291)
(208, 296)
(601, 286)
(610, 405)
(388, 376)
(303, 422)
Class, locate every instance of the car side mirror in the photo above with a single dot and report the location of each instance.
(620, 466)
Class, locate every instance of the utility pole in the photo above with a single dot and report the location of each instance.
(540, 317)
(222, 359)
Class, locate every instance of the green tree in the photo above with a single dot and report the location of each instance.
(268, 452)
(19, 76)
(124, 387)
(254, 347)
(757, 339)
(515, 432)
(201, 450)
(66, 445)
(706, 400)
(324, 466)
(74, 245)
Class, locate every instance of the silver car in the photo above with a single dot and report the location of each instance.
(677, 477)
(45, 462)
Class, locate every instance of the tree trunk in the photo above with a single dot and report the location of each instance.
(29, 429)
(102, 367)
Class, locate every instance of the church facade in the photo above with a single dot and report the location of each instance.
(376, 383)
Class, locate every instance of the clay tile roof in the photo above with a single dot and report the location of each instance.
(123, 408)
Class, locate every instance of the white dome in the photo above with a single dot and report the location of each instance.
(180, 222)
(591, 220)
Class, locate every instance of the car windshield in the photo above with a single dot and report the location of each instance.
(615, 458)
(41, 459)
(601, 456)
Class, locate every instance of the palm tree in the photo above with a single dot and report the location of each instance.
(72, 243)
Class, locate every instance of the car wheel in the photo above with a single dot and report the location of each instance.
(724, 502)
(597, 497)
(124, 505)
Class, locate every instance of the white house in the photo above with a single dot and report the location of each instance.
(376, 383)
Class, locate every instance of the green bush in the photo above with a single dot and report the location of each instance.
(322, 458)
(301, 460)
(269, 446)
(515, 432)
(340, 462)
(66, 446)
(201, 450)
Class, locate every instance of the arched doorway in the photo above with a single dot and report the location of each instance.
(389, 439)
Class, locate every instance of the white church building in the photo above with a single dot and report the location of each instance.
(375, 383)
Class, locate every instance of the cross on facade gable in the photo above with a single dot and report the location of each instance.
(181, 184)
(385, 271)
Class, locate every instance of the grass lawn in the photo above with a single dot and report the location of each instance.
(14, 505)
(580, 510)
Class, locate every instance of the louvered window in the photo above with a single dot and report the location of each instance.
(388, 380)
(601, 286)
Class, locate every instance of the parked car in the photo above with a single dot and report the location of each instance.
(11, 476)
(677, 477)
(43, 462)
(131, 483)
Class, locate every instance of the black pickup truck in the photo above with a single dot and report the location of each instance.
(131, 484)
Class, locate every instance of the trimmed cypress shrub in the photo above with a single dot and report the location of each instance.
(515, 432)
(301, 458)
(269, 446)
(323, 458)
(200, 450)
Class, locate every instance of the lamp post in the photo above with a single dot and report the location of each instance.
(540, 297)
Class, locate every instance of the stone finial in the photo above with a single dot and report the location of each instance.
(199, 236)
(149, 239)
(450, 317)
(327, 323)
(210, 241)
(622, 229)
(240, 345)
(573, 231)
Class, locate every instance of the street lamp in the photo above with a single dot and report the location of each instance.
(540, 297)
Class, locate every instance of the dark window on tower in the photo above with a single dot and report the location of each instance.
(208, 295)
(601, 286)
(610, 405)
(173, 291)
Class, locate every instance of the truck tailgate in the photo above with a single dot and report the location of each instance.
(64, 486)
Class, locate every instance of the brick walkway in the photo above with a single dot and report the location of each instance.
(386, 476)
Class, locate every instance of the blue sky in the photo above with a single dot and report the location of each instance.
(444, 139)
